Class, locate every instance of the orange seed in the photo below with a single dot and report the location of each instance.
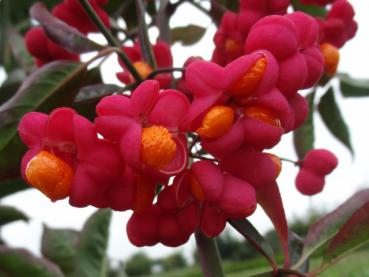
(250, 80)
(50, 174)
(217, 121)
(157, 146)
(277, 163)
(143, 69)
(196, 189)
(331, 57)
(262, 113)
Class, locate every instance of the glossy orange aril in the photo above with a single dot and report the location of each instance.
(50, 174)
(157, 146)
(144, 69)
(196, 189)
(247, 84)
(277, 163)
(217, 121)
(331, 57)
(263, 114)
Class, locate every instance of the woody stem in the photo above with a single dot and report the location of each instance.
(210, 261)
(110, 38)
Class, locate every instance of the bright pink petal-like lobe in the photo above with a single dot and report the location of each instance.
(32, 128)
(320, 161)
(35, 41)
(213, 221)
(250, 165)
(270, 200)
(309, 182)
(238, 198)
(274, 33)
(210, 178)
(315, 65)
(115, 105)
(307, 28)
(292, 74)
(145, 96)
(60, 125)
(170, 230)
(142, 229)
(261, 135)
(207, 82)
(170, 109)
(226, 144)
(180, 159)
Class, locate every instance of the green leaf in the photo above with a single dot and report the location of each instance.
(19, 51)
(98, 90)
(327, 227)
(51, 86)
(59, 245)
(353, 234)
(4, 22)
(333, 119)
(245, 228)
(303, 137)
(21, 263)
(11, 85)
(10, 214)
(187, 35)
(10, 186)
(92, 246)
(61, 33)
(351, 87)
(313, 10)
(143, 34)
(296, 246)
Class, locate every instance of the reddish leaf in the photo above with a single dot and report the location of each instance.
(353, 234)
(270, 200)
(245, 228)
(61, 33)
(327, 227)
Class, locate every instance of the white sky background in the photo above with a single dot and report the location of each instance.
(351, 174)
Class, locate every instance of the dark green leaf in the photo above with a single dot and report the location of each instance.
(313, 10)
(97, 91)
(19, 51)
(246, 229)
(333, 119)
(295, 246)
(10, 186)
(327, 227)
(92, 246)
(61, 33)
(9, 214)
(353, 234)
(4, 22)
(351, 87)
(21, 263)
(143, 35)
(129, 17)
(59, 245)
(303, 137)
(53, 85)
(11, 85)
(162, 20)
(209, 256)
(187, 35)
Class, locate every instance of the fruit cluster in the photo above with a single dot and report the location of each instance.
(141, 152)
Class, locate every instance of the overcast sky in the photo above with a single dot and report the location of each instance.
(351, 174)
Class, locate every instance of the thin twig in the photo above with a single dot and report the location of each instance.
(195, 156)
(164, 70)
(109, 37)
